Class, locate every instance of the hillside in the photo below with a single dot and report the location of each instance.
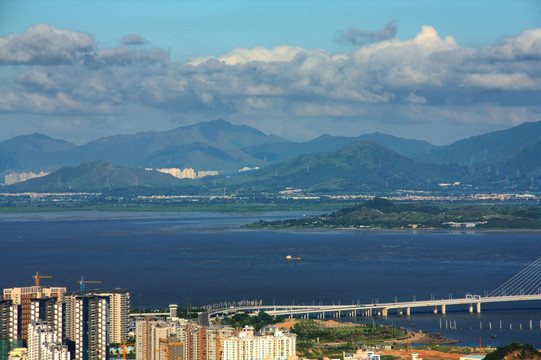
(514, 351)
(520, 167)
(279, 152)
(99, 175)
(360, 166)
(35, 152)
(212, 145)
(477, 149)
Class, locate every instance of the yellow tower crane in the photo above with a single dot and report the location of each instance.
(124, 346)
(38, 276)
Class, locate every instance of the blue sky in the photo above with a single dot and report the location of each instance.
(432, 70)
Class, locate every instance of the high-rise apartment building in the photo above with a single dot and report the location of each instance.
(23, 296)
(87, 326)
(51, 311)
(10, 326)
(44, 343)
(119, 311)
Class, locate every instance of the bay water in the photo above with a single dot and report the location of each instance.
(205, 258)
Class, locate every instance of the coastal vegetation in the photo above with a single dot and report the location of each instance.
(514, 351)
(381, 213)
(316, 339)
(258, 321)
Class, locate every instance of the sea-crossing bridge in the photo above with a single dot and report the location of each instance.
(524, 286)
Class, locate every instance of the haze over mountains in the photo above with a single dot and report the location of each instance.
(327, 164)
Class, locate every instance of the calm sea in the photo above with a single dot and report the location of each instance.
(204, 258)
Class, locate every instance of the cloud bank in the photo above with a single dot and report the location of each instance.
(287, 89)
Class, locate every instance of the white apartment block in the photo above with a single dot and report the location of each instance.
(246, 346)
(187, 173)
(119, 312)
(51, 311)
(13, 178)
(44, 344)
(90, 330)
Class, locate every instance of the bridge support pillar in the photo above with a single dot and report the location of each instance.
(478, 307)
(443, 309)
(471, 308)
(408, 311)
(384, 311)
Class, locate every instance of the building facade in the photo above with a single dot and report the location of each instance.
(44, 344)
(247, 346)
(51, 311)
(24, 295)
(87, 327)
(10, 326)
(119, 311)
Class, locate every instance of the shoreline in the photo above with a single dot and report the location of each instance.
(137, 212)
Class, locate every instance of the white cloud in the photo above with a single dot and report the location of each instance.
(241, 56)
(284, 83)
(525, 46)
(44, 44)
(500, 81)
(414, 99)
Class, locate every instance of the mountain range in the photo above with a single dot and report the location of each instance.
(326, 164)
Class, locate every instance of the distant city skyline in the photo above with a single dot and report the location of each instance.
(436, 71)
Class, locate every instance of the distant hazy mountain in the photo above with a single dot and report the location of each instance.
(34, 152)
(360, 166)
(212, 145)
(503, 157)
(96, 176)
(477, 149)
(278, 152)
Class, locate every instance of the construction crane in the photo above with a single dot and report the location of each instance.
(168, 346)
(38, 276)
(124, 346)
(82, 283)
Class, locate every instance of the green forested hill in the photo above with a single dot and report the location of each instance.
(384, 214)
(360, 166)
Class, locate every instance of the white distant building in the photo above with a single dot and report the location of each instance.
(187, 173)
(203, 173)
(13, 178)
(246, 168)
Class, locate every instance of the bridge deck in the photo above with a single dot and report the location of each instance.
(315, 309)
